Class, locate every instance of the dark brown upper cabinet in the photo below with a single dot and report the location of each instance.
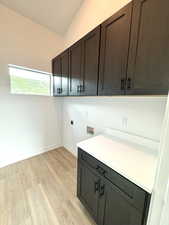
(115, 36)
(60, 67)
(90, 64)
(129, 52)
(148, 67)
(75, 68)
(56, 70)
(84, 63)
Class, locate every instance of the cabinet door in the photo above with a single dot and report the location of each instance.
(115, 209)
(148, 68)
(60, 70)
(57, 80)
(75, 63)
(91, 45)
(64, 72)
(88, 187)
(115, 33)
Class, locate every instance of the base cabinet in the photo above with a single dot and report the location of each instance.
(87, 191)
(115, 209)
(110, 198)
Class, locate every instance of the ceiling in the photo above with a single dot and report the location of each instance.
(56, 15)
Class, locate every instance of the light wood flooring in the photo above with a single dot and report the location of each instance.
(42, 191)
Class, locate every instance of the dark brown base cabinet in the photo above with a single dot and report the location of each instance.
(126, 55)
(110, 198)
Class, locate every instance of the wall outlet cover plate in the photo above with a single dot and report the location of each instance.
(90, 130)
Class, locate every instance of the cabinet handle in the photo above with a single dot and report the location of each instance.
(129, 83)
(59, 90)
(78, 88)
(81, 88)
(123, 84)
(83, 157)
(100, 170)
(101, 191)
(97, 186)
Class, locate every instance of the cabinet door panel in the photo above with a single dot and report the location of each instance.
(148, 65)
(114, 209)
(57, 79)
(87, 193)
(75, 63)
(115, 34)
(65, 72)
(91, 44)
(60, 70)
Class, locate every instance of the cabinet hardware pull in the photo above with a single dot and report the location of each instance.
(100, 170)
(123, 83)
(81, 88)
(83, 157)
(78, 88)
(58, 90)
(101, 191)
(96, 186)
(128, 83)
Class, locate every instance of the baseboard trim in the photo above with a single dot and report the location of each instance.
(73, 152)
(22, 157)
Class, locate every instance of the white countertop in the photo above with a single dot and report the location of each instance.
(135, 162)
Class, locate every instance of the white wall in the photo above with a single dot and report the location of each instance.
(28, 124)
(144, 116)
(160, 198)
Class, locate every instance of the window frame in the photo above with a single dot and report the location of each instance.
(35, 71)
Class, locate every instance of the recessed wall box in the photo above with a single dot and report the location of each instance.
(90, 130)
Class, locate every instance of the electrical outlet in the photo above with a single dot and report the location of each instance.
(90, 130)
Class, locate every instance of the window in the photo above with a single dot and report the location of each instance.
(27, 81)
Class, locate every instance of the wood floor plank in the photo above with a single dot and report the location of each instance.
(42, 191)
